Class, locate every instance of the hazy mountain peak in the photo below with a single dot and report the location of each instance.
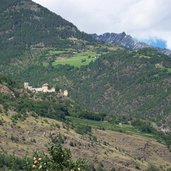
(127, 41)
(120, 38)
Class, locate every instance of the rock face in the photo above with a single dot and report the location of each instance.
(5, 90)
(126, 41)
(122, 39)
(165, 51)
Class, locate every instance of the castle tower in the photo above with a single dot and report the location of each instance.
(65, 93)
(26, 85)
(45, 87)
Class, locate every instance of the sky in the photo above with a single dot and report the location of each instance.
(145, 20)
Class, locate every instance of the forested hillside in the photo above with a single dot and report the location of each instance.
(26, 26)
(126, 84)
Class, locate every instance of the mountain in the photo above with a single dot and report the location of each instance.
(122, 39)
(126, 41)
(25, 24)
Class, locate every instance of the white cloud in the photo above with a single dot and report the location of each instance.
(142, 19)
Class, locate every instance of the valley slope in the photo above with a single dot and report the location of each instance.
(127, 84)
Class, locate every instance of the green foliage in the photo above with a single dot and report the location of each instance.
(13, 163)
(5, 4)
(167, 139)
(59, 159)
(152, 168)
(9, 82)
(83, 129)
(100, 167)
(144, 126)
(23, 29)
(119, 84)
(77, 60)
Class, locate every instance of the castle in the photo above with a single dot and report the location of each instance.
(45, 89)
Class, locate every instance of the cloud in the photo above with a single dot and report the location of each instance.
(143, 19)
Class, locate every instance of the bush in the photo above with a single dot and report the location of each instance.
(59, 158)
(144, 126)
(83, 129)
(1, 122)
(13, 163)
(152, 167)
(113, 169)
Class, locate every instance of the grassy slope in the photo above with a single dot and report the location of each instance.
(77, 60)
(104, 125)
(124, 150)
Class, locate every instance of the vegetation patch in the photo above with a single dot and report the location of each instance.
(77, 60)
(55, 52)
(141, 56)
(104, 125)
(164, 68)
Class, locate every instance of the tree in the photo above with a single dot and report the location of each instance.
(59, 159)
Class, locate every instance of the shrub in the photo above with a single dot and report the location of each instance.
(83, 129)
(113, 169)
(59, 158)
(143, 126)
(1, 122)
(13, 163)
(152, 167)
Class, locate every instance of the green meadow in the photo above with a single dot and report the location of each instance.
(77, 60)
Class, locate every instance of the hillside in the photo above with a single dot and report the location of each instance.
(39, 46)
(28, 121)
(125, 83)
(100, 146)
(27, 29)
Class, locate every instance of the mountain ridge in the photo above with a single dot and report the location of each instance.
(126, 41)
(121, 38)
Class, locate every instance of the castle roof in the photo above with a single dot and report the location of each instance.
(46, 84)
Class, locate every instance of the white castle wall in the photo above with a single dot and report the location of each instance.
(45, 88)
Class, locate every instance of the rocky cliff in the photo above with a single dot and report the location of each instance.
(126, 41)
